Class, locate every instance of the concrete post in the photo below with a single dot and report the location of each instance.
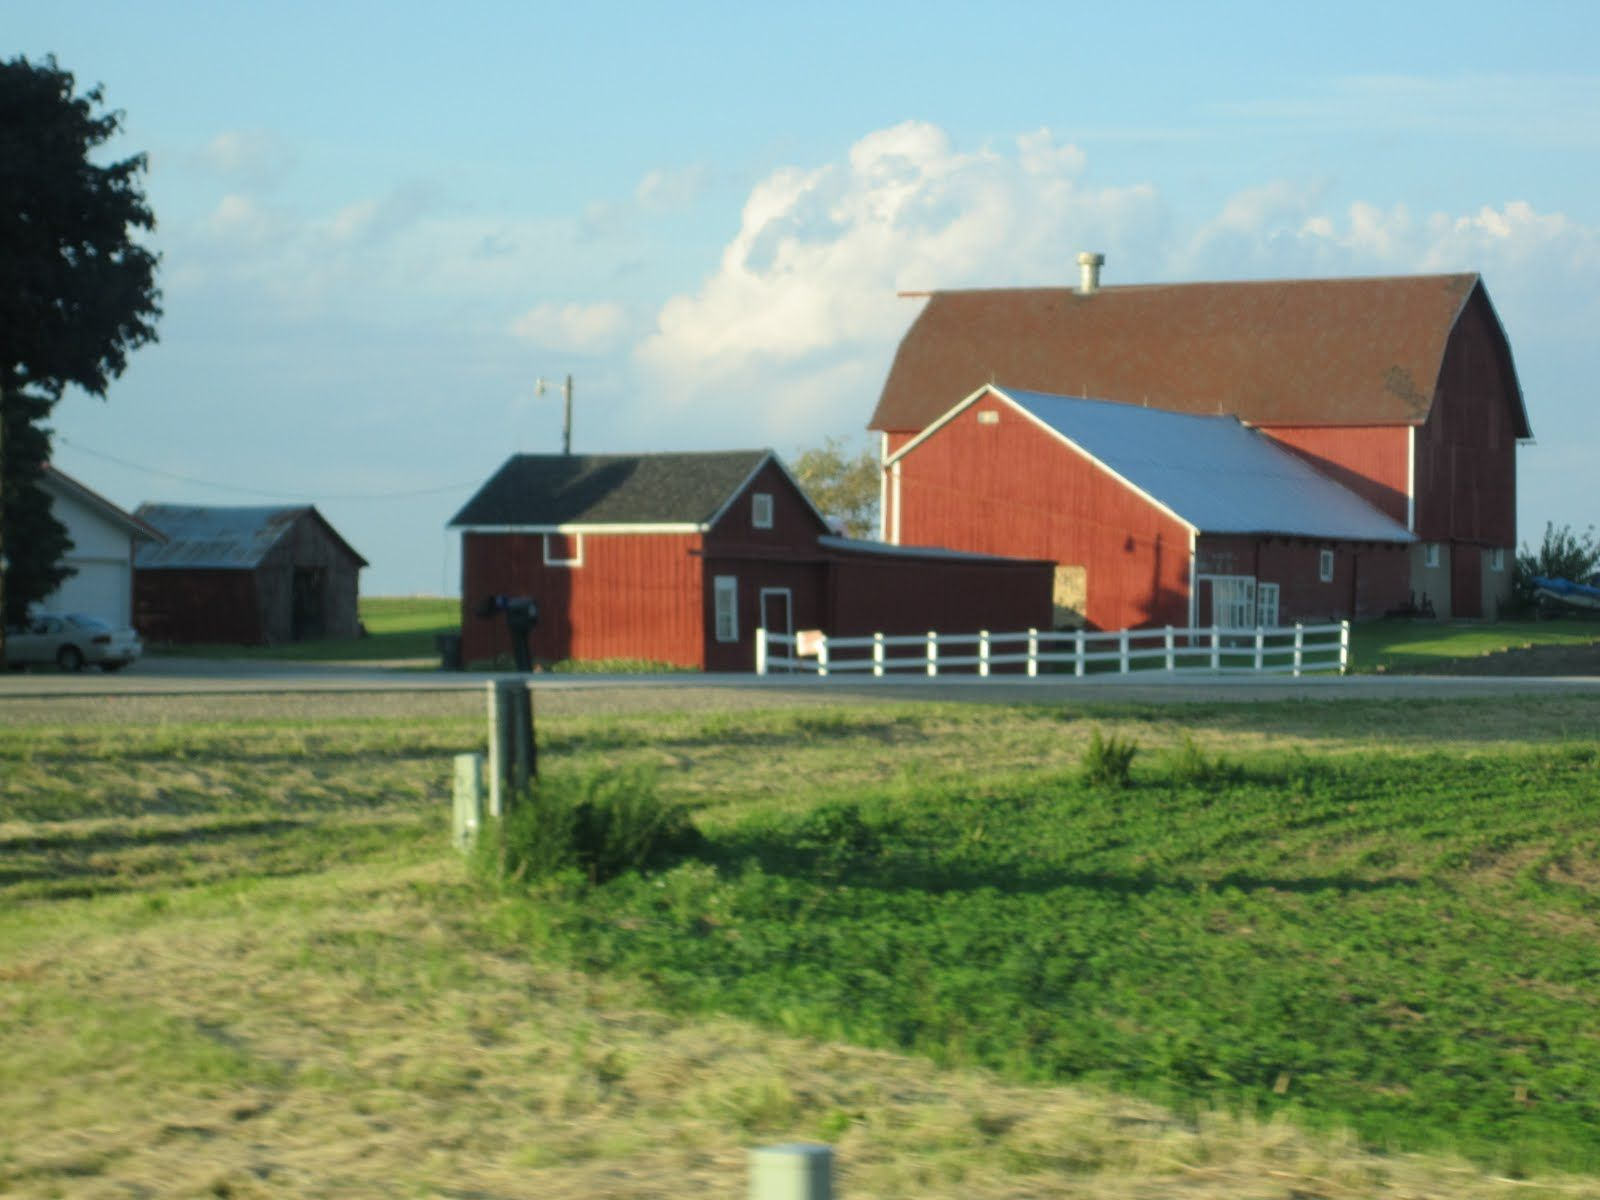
(1077, 644)
(877, 655)
(1299, 647)
(983, 652)
(799, 1171)
(933, 653)
(468, 800)
(761, 652)
(1033, 653)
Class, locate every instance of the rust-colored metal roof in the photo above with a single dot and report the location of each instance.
(1308, 351)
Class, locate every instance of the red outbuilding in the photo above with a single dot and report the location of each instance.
(1401, 389)
(680, 558)
(1150, 517)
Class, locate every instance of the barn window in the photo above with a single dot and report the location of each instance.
(1325, 566)
(1497, 559)
(1233, 601)
(563, 549)
(1267, 605)
(988, 417)
(1430, 554)
(761, 510)
(726, 589)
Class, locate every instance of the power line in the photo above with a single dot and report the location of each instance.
(270, 495)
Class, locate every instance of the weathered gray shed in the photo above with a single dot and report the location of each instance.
(244, 575)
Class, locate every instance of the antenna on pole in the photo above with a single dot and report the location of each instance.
(539, 387)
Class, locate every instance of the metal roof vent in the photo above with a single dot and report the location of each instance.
(1089, 264)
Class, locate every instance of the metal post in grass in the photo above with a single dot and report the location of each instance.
(1261, 646)
(1216, 648)
(761, 651)
(1122, 649)
(1169, 642)
(1033, 653)
(983, 652)
(1077, 643)
(1344, 647)
(798, 1171)
(933, 653)
(467, 806)
(1299, 647)
(877, 655)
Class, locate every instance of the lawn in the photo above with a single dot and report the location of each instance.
(236, 957)
(1400, 645)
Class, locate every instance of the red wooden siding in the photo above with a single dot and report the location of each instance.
(794, 525)
(895, 595)
(198, 606)
(1466, 452)
(1370, 460)
(1368, 579)
(804, 580)
(1011, 488)
(634, 596)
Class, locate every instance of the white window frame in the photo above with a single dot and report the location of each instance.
(1267, 605)
(1497, 558)
(725, 598)
(1325, 566)
(1430, 554)
(761, 510)
(577, 540)
(1233, 601)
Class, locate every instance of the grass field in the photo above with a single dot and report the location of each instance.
(1395, 645)
(236, 957)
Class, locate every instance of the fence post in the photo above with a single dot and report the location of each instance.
(1344, 647)
(822, 655)
(513, 753)
(1172, 657)
(877, 655)
(1122, 646)
(1033, 653)
(933, 652)
(983, 652)
(1077, 642)
(467, 808)
(799, 1171)
(1216, 648)
(1261, 646)
(761, 651)
(1299, 646)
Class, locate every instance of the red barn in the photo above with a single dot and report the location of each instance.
(1153, 517)
(1402, 389)
(679, 558)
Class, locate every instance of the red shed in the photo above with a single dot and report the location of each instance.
(1150, 517)
(1402, 389)
(679, 558)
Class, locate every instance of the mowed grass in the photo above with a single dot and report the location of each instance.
(398, 628)
(1402, 645)
(237, 958)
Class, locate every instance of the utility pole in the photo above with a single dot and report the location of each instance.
(539, 387)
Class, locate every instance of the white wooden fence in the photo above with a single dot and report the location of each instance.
(1286, 650)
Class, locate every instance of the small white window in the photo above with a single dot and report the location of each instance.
(1430, 554)
(1267, 605)
(563, 549)
(761, 510)
(727, 601)
(1325, 567)
(988, 417)
(1497, 559)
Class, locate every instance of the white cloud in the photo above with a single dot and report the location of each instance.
(255, 156)
(665, 189)
(578, 328)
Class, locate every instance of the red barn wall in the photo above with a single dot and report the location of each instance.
(1369, 579)
(634, 596)
(803, 578)
(198, 606)
(1013, 489)
(795, 525)
(1371, 460)
(899, 595)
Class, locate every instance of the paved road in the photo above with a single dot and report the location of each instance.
(200, 677)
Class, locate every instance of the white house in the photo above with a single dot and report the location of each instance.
(103, 537)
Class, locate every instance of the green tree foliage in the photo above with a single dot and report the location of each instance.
(843, 484)
(1562, 554)
(79, 292)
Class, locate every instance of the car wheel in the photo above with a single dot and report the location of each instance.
(69, 658)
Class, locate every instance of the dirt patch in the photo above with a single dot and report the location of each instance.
(1529, 660)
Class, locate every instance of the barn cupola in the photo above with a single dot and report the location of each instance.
(1089, 264)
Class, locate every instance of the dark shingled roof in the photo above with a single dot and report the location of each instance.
(610, 489)
(1300, 351)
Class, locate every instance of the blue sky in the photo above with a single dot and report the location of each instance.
(381, 222)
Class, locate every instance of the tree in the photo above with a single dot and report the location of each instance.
(77, 294)
(1562, 555)
(842, 484)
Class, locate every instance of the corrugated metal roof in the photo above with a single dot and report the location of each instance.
(1213, 472)
(1301, 351)
(609, 489)
(220, 538)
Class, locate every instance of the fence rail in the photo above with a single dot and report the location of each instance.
(1282, 650)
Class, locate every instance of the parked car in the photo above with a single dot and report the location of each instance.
(70, 640)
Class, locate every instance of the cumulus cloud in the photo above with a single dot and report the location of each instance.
(804, 296)
(577, 328)
(255, 156)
